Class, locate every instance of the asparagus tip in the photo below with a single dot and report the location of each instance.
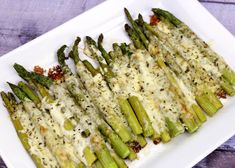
(90, 41)
(11, 85)
(100, 38)
(77, 41)
(127, 27)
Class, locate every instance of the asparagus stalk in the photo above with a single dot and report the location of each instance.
(53, 141)
(136, 28)
(187, 116)
(130, 115)
(178, 72)
(193, 126)
(194, 77)
(140, 113)
(87, 151)
(24, 136)
(134, 146)
(83, 99)
(123, 103)
(206, 50)
(168, 57)
(174, 129)
(67, 125)
(73, 131)
(142, 116)
(101, 97)
(216, 67)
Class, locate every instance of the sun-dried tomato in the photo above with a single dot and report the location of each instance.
(221, 94)
(154, 20)
(156, 141)
(55, 73)
(39, 70)
(135, 146)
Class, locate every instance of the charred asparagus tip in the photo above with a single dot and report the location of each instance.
(104, 53)
(61, 56)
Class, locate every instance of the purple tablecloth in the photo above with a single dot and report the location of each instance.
(23, 20)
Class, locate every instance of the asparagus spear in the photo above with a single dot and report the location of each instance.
(136, 28)
(138, 108)
(83, 99)
(55, 112)
(124, 104)
(192, 77)
(206, 50)
(162, 96)
(21, 120)
(172, 58)
(83, 121)
(138, 141)
(193, 126)
(53, 141)
(96, 139)
(185, 76)
(194, 52)
(104, 101)
(140, 113)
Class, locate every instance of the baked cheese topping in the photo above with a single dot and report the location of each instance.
(189, 51)
(74, 137)
(56, 144)
(101, 94)
(126, 82)
(84, 98)
(130, 81)
(35, 139)
(205, 49)
(156, 85)
(193, 75)
(185, 78)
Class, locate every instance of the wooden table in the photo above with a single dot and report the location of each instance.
(24, 20)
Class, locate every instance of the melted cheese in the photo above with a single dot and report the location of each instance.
(69, 108)
(61, 149)
(84, 98)
(101, 95)
(209, 73)
(131, 80)
(35, 140)
(205, 49)
(156, 86)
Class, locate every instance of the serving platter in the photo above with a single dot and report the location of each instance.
(108, 18)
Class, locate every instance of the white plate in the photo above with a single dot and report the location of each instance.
(108, 18)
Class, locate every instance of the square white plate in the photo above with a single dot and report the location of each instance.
(108, 18)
